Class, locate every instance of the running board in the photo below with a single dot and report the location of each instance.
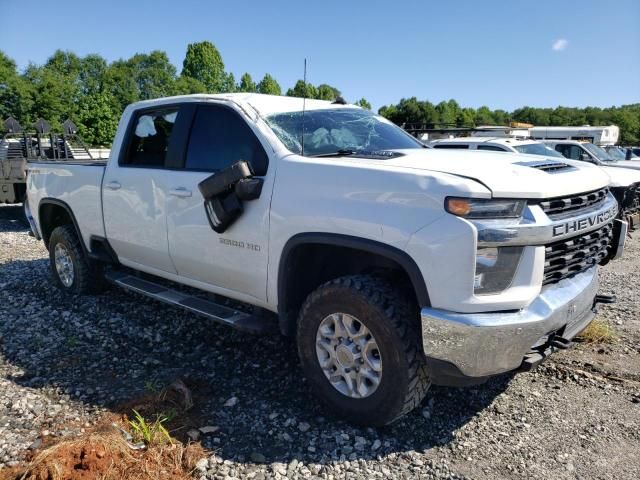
(206, 308)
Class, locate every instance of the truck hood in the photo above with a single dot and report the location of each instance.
(632, 164)
(507, 175)
(622, 177)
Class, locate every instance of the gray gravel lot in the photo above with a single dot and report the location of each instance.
(64, 361)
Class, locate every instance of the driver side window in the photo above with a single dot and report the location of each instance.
(219, 138)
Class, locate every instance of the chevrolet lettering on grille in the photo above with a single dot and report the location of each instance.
(576, 226)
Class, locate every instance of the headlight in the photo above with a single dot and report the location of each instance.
(495, 269)
(476, 208)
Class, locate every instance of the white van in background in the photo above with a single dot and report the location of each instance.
(597, 135)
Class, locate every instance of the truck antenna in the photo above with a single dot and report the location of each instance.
(304, 102)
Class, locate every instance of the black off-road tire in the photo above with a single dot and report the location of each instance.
(404, 381)
(88, 276)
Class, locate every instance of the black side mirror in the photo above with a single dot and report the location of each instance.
(628, 154)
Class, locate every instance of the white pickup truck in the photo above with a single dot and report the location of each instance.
(393, 265)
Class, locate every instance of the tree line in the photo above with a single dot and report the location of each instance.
(451, 114)
(93, 92)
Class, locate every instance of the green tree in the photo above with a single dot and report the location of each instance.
(187, 85)
(16, 94)
(153, 73)
(364, 103)
(228, 83)
(484, 116)
(204, 63)
(54, 97)
(269, 86)
(97, 119)
(246, 84)
(302, 89)
(327, 92)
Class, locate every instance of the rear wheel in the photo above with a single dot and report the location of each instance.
(72, 271)
(360, 350)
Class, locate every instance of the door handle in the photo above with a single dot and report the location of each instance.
(113, 185)
(180, 192)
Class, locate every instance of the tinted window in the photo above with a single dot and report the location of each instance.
(149, 140)
(492, 148)
(570, 151)
(453, 145)
(537, 149)
(219, 138)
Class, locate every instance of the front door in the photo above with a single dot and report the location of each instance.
(235, 260)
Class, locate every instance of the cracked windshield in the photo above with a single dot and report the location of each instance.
(340, 131)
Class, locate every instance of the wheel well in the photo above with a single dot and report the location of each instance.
(53, 215)
(304, 267)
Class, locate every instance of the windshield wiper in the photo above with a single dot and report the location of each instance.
(340, 153)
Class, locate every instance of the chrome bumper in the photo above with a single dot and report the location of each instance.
(484, 344)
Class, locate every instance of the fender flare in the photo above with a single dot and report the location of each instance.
(67, 208)
(357, 243)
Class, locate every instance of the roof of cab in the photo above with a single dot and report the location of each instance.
(264, 104)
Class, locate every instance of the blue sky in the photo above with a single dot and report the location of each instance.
(495, 53)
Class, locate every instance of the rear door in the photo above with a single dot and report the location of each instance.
(135, 189)
(235, 260)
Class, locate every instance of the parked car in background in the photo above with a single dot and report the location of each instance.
(497, 144)
(625, 184)
(621, 153)
(588, 152)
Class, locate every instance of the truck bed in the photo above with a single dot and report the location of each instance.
(76, 183)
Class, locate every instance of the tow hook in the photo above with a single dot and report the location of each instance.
(561, 343)
(536, 356)
(602, 299)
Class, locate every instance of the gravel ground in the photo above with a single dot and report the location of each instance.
(64, 361)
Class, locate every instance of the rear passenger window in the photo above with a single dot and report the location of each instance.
(451, 146)
(149, 140)
(219, 138)
(493, 148)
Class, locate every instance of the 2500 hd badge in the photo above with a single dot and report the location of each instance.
(578, 225)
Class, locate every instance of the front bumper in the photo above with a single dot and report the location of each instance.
(484, 344)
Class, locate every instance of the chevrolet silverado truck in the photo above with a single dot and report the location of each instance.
(391, 265)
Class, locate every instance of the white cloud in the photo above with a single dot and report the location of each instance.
(560, 44)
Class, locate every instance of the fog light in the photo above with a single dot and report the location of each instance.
(495, 269)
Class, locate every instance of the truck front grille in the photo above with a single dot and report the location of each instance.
(630, 205)
(567, 258)
(556, 207)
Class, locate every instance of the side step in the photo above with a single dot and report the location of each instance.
(206, 308)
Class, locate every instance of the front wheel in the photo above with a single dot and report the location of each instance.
(72, 271)
(359, 349)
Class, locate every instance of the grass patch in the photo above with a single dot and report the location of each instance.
(104, 454)
(597, 332)
(150, 432)
(107, 452)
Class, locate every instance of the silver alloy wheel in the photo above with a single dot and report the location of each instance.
(64, 265)
(348, 355)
